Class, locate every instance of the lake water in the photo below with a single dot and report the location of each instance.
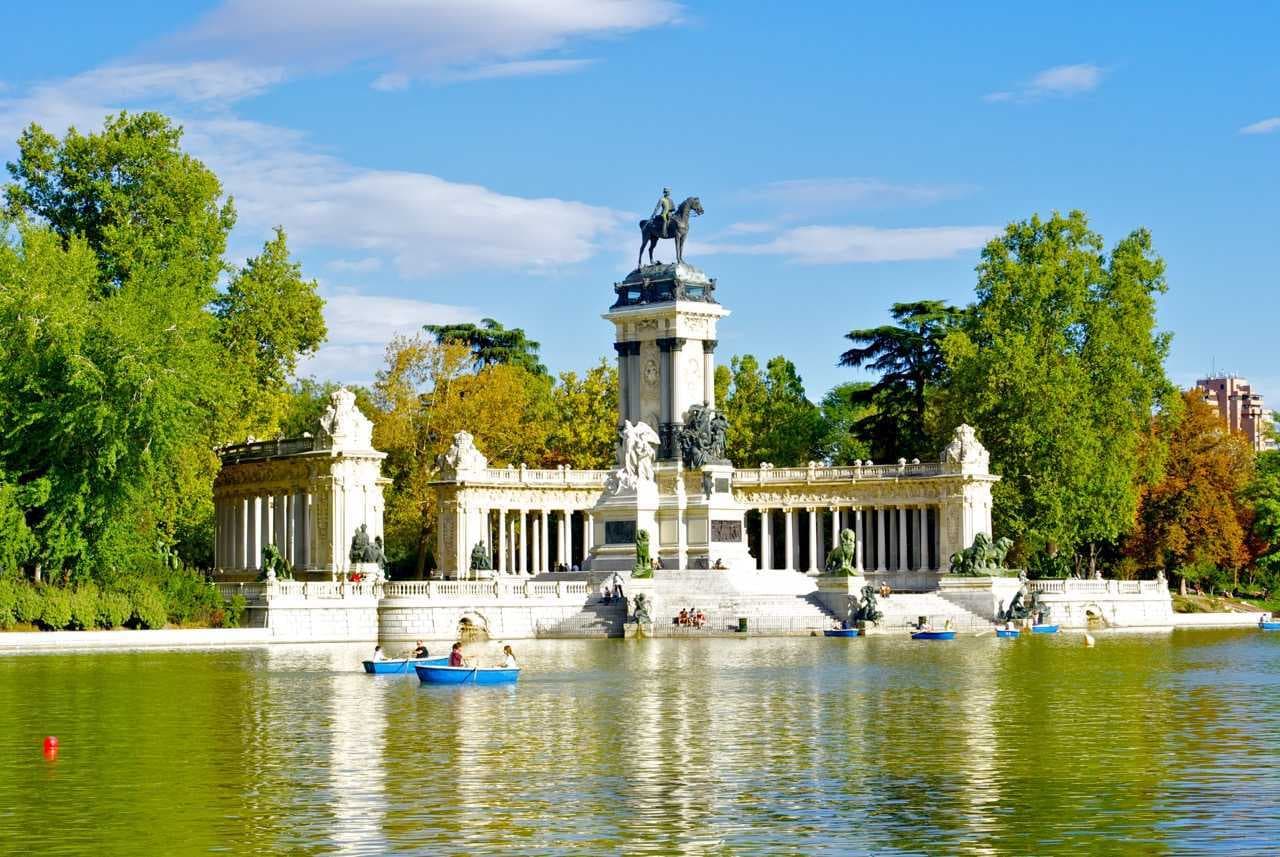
(1146, 744)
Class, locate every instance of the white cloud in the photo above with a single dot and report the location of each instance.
(429, 38)
(357, 266)
(420, 223)
(392, 81)
(1266, 126)
(1060, 81)
(832, 245)
(361, 325)
(811, 194)
(520, 68)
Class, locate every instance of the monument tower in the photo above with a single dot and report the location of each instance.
(673, 480)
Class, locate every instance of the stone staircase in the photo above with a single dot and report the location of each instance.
(595, 619)
(903, 610)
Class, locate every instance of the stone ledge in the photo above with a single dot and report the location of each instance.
(168, 638)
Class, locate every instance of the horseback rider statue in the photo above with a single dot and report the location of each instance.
(663, 209)
(668, 221)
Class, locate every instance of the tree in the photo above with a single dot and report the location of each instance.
(770, 419)
(1060, 368)
(270, 317)
(840, 444)
(1195, 518)
(492, 344)
(132, 194)
(585, 431)
(910, 362)
(427, 393)
(1263, 493)
(114, 370)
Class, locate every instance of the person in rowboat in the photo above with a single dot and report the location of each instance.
(378, 654)
(420, 651)
(509, 659)
(455, 656)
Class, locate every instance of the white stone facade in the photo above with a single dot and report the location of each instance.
(307, 496)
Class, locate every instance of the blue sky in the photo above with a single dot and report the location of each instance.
(443, 160)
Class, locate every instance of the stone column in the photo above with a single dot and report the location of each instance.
(588, 535)
(624, 357)
(709, 371)
(462, 545)
(306, 556)
(903, 557)
(566, 553)
(813, 540)
(500, 561)
(919, 538)
(633, 381)
(926, 554)
(544, 543)
(880, 519)
(858, 533)
(789, 562)
(835, 530)
(522, 561)
(665, 387)
(766, 540)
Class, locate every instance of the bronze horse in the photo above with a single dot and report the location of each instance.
(677, 228)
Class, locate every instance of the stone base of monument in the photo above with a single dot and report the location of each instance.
(834, 592)
(618, 518)
(367, 571)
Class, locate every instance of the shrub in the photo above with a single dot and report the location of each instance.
(28, 604)
(233, 613)
(84, 607)
(188, 596)
(113, 610)
(8, 603)
(56, 612)
(149, 609)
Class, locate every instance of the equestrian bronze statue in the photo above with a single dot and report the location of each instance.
(674, 226)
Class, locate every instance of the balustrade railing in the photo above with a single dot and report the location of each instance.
(530, 476)
(1098, 587)
(775, 475)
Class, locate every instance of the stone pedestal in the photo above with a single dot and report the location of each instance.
(836, 593)
(715, 528)
(618, 517)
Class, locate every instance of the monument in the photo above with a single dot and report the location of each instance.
(673, 480)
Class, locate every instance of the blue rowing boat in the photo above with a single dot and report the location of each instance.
(1044, 629)
(1008, 633)
(402, 666)
(933, 635)
(841, 632)
(1269, 625)
(444, 674)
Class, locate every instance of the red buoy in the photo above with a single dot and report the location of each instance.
(50, 747)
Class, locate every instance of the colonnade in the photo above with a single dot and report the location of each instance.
(532, 540)
(247, 524)
(889, 538)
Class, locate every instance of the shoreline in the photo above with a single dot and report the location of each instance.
(34, 642)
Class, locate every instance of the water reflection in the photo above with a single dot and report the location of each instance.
(691, 747)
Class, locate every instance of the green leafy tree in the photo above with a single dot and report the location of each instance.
(908, 357)
(585, 431)
(270, 316)
(133, 195)
(118, 376)
(1263, 493)
(1060, 367)
(770, 419)
(492, 344)
(840, 415)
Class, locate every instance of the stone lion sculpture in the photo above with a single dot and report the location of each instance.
(644, 564)
(983, 557)
(843, 557)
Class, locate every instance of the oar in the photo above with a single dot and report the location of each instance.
(984, 633)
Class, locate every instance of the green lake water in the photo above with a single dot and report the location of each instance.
(1146, 744)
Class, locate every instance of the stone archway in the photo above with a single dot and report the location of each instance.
(1094, 617)
(473, 627)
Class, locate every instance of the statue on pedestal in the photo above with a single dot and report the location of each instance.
(702, 439)
(480, 558)
(644, 564)
(867, 610)
(983, 557)
(639, 451)
(664, 225)
(843, 557)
